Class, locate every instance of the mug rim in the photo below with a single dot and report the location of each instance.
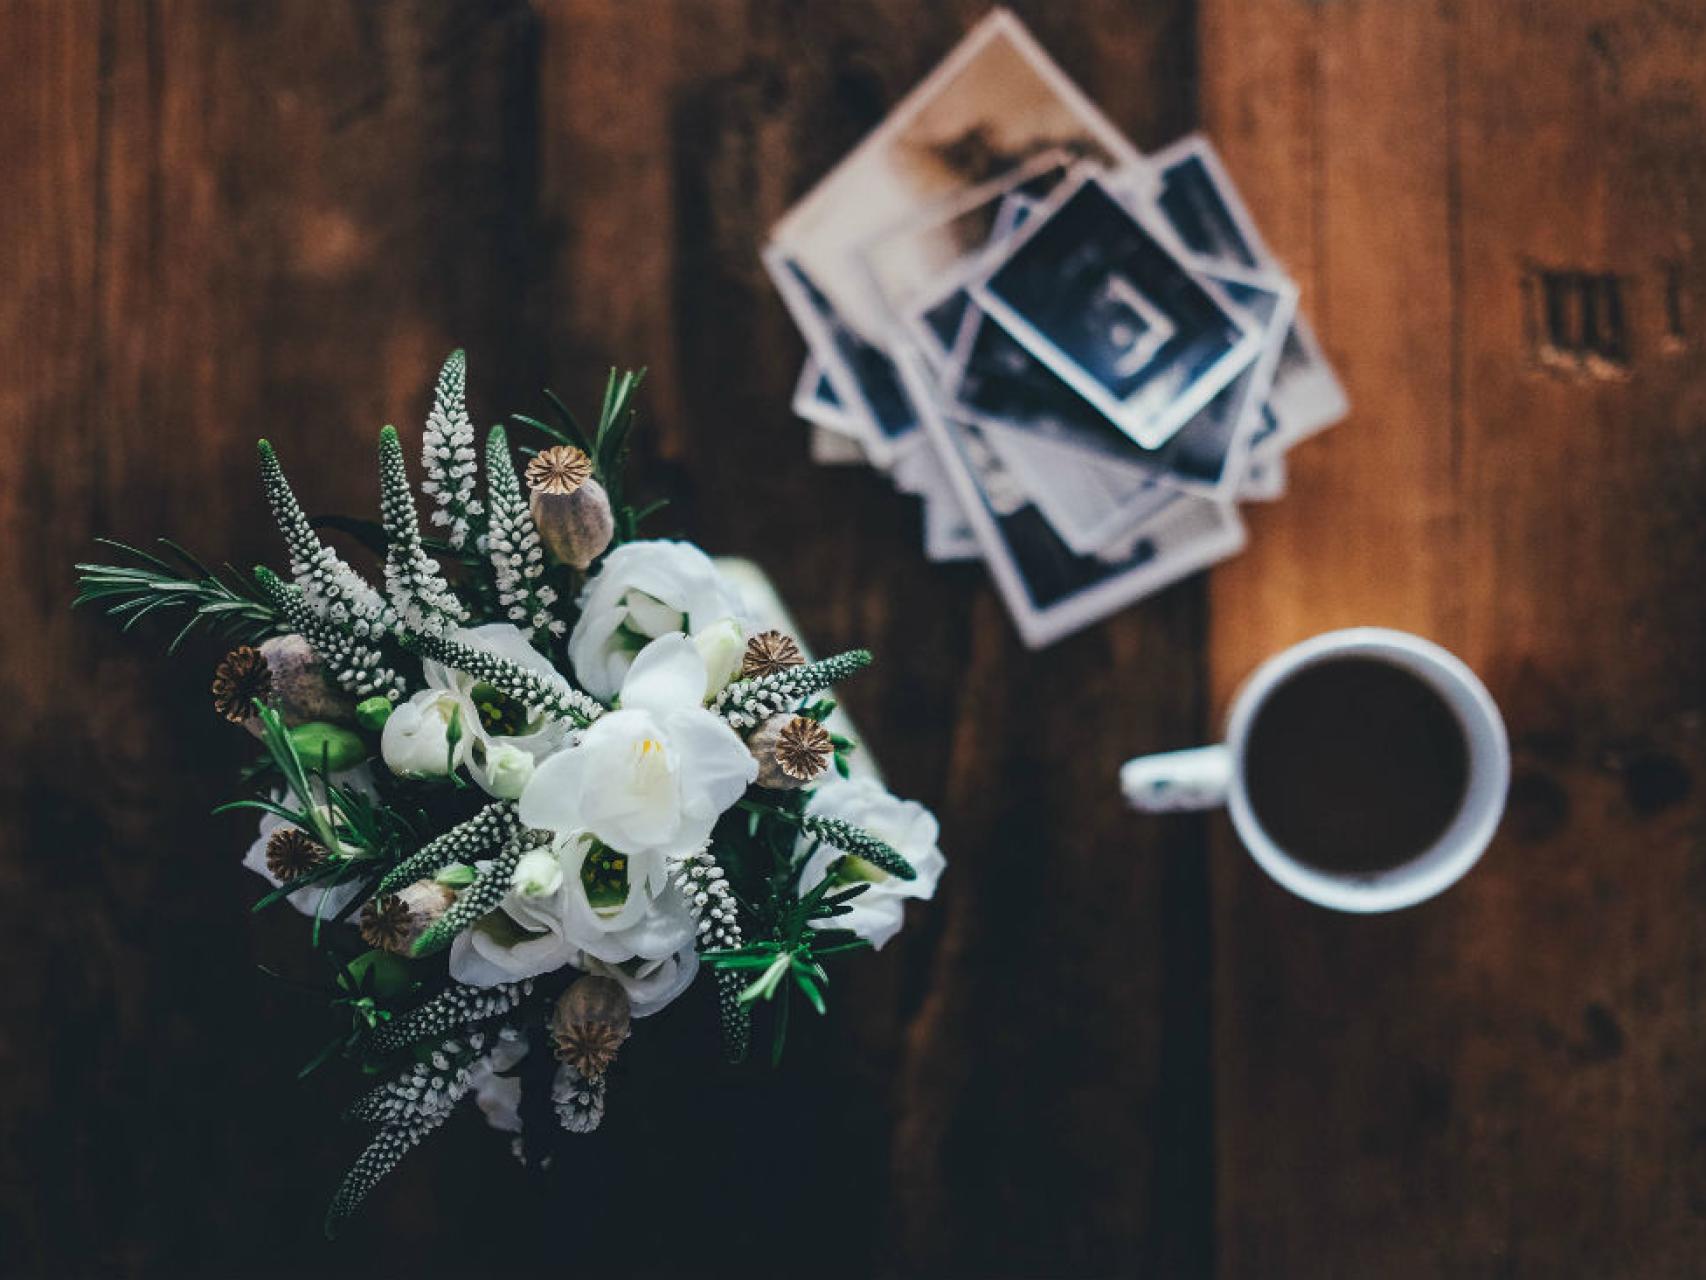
(1457, 849)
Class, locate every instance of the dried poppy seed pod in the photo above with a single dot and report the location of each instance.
(394, 922)
(292, 853)
(242, 678)
(791, 751)
(770, 653)
(590, 1023)
(302, 688)
(570, 509)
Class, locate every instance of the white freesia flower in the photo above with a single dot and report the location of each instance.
(653, 958)
(642, 591)
(908, 826)
(648, 781)
(650, 983)
(522, 939)
(496, 739)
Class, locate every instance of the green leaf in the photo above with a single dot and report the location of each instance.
(808, 984)
(780, 1036)
(549, 430)
(230, 605)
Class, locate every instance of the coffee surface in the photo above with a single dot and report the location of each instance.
(1355, 766)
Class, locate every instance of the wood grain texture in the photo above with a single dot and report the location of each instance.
(1109, 1047)
(1505, 1081)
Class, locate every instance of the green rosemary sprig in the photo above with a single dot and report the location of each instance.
(792, 958)
(230, 605)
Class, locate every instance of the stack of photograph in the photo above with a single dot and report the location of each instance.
(1079, 357)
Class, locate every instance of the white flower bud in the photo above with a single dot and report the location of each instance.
(508, 770)
(723, 646)
(539, 874)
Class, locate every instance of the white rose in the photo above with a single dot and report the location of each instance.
(642, 591)
(611, 913)
(906, 825)
(416, 739)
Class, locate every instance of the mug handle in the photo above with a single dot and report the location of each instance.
(1177, 781)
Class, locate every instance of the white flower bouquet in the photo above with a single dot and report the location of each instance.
(537, 782)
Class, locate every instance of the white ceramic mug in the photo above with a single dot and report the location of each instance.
(1209, 777)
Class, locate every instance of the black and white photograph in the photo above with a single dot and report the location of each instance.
(1078, 466)
(874, 398)
(996, 101)
(1050, 590)
(815, 399)
(1306, 395)
(1208, 453)
(1004, 387)
(943, 322)
(1264, 480)
(1202, 205)
(1090, 504)
(947, 533)
(1096, 292)
(1204, 209)
(912, 265)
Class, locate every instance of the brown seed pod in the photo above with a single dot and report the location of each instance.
(570, 509)
(293, 853)
(768, 653)
(791, 751)
(392, 923)
(302, 688)
(590, 1023)
(241, 677)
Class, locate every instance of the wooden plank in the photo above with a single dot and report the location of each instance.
(1015, 1050)
(221, 221)
(1502, 1082)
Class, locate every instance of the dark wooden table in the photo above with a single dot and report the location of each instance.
(1112, 1047)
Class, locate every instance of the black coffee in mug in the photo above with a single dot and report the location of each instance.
(1355, 765)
